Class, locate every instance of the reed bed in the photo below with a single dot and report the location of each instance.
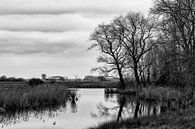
(32, 97)
(164, 93)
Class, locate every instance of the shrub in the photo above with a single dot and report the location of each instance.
(34, 82)
(102, 78)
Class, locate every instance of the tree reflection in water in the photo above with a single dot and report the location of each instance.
(126, 106)
(73, 98)
(113, 107)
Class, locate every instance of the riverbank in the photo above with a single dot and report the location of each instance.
(181, 115)
(158, 93)
(172, 120)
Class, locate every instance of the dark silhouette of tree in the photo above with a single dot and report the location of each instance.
(44, 76)
(162, 51)
(110, 45)
(136, 36)
(35, 82)
(179, 17)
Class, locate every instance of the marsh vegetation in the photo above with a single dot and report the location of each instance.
(153, 60)
(26, 97)
(94, 107)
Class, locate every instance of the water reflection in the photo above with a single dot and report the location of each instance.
(73, 99)
(11, 118)
(125, 106)
(83, 105)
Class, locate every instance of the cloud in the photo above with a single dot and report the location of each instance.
(63, 15)
(50, 36)
(35, 48)
(42, 43)
(45, 23)
(51, 23)
(71, 6)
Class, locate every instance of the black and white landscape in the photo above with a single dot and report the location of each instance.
(97, 64)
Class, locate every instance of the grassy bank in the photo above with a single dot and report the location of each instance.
(172, 120)
(28, 98)
(182, 118)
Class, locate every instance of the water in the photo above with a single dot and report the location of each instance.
(85, 108)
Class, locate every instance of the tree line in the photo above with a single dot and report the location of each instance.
(159, 48)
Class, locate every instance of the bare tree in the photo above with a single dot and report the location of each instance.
(181, 14)
(113, 55)
(136, 36)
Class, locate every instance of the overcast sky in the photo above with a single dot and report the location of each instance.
(52, 36)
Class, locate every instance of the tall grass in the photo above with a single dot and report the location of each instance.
(18, 99)
(184, 97)
(160, 93)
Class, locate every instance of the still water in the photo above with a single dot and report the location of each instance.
(85, 108)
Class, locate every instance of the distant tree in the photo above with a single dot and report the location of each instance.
(35, 82)
(110, 45)
(20, 79)
(3, 78)
(102, 78)
(62, 79)
(44, 76)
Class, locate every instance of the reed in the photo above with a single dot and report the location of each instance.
(160, 93)
(29, 98)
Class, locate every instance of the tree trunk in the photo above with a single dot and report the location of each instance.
(190, 67)
(193, 65)
(136, 74)
(122, 85)
(148, 75)
(191, 70)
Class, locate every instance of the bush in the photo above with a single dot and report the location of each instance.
(35, 81)
(102, 78)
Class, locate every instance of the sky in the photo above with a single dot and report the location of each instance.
(52, 36)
